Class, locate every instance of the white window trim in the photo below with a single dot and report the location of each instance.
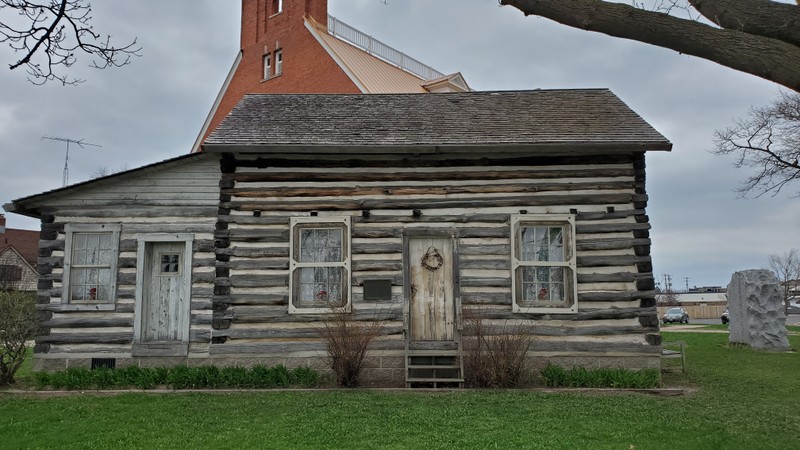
(267, 65)
(294, 264)
(70, 229)
(545, 220)
(278, 62)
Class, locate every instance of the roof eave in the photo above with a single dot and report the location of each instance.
(555, 148)
(24, 206)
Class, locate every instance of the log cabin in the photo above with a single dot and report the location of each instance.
(520, 207)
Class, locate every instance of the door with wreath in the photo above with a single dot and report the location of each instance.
(430, 275)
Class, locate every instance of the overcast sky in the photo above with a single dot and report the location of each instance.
(153, 109)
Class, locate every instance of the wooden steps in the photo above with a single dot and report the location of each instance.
(434, 369)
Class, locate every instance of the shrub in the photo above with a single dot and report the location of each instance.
(556, 376)
(178, 377)
(305, 377)
(17, 326)
(494, 355)
(346, 342)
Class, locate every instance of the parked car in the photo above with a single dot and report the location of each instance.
(678, 315)
(724, 317)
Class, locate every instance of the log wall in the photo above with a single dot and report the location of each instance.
(172, 198)
(238, 207)
(616, 323)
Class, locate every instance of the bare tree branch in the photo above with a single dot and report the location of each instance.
(763, 56)
(761, 17)
(49, 35)
(768, 140)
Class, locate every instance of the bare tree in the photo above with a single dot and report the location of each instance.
(769, 141)
(787, 269)
(48, 34)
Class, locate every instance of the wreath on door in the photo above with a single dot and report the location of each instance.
(432, 260)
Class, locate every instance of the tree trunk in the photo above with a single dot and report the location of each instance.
(765, 57)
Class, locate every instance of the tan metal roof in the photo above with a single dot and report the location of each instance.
(371, 74)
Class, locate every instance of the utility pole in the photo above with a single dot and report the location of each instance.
(81, 144)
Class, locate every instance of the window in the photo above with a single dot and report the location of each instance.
(90, 265)
(170, 263)
(319, 264)
(543, 264)
(277, 6)
(278, 62)
(10, 273)
(267, 66)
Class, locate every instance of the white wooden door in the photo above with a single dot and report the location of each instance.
(165, 300)
(431, 305)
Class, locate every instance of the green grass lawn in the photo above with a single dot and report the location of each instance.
(743, 399)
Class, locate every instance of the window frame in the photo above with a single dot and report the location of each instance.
(10, 273)
(295, 225)
(570, 304)
(267, 65)
(278, 62)
(70, 230)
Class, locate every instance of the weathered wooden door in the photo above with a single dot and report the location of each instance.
(165, 300)
(432, 314)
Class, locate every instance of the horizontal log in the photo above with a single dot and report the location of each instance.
(618, 277)
(558, 330)
(605, 215)
(609, 227)
(253, 299)
(479, 250)
(486, 264)
(375, 248)
(280, 314)
(485, 282)
(255, 263)
(87, 338)
(614, 296)
(290, 333)
(376, 233)
(609, 244)
(233, 347)
(399, 175)
(373, 266)
(249, 281)
(259, 235)
(112, 211)
(605, 261)
(88, 322)
(433, 188)
(359, 278)
(466, 218)
(249, 252)
(425, 203)
(487, 298)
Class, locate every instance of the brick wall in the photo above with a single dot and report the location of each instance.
(307, 67)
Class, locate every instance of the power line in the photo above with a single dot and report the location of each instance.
(80, 143)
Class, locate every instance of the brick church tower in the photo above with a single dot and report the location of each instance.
(287, 47)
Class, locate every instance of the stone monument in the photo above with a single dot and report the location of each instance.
(755, 306)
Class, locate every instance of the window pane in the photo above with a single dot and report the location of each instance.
(541, 243)
(319, 286)
(542, 284)
(321, 245)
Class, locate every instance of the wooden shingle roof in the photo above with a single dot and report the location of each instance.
(539, 118)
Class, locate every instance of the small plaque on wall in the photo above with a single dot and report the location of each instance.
(377, 290)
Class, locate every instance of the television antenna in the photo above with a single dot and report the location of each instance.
(79, 142)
